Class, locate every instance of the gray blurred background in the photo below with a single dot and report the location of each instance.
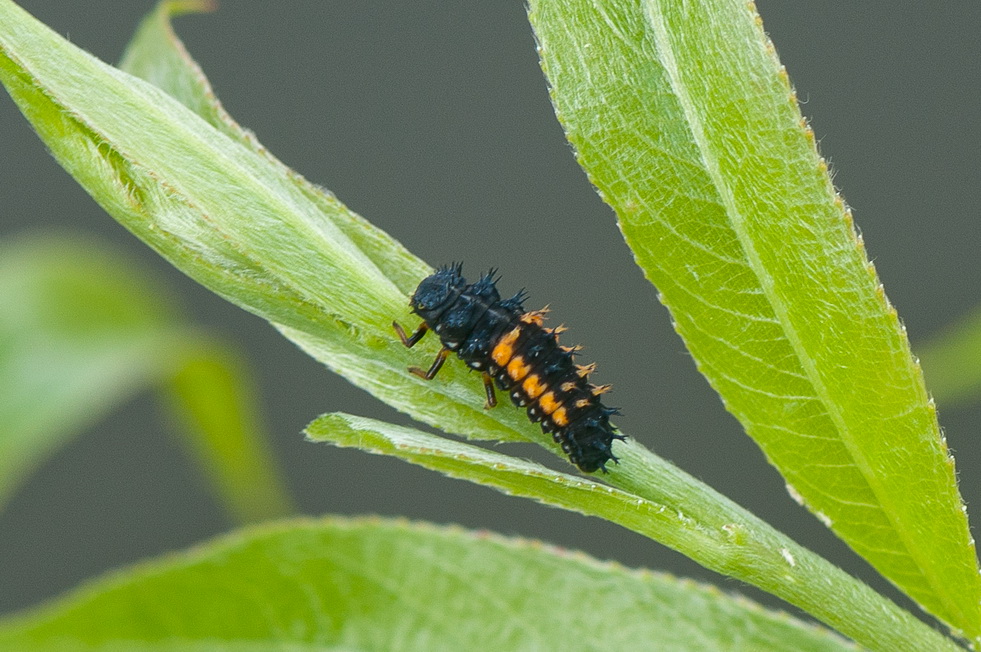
(434, 118)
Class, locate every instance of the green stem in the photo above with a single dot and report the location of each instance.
(738, 544)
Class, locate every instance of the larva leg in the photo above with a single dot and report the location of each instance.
(434, 369)
(489, 389)
(408, 341)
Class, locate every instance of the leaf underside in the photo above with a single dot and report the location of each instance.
(682, 514)
(374, 584)
(684, 120)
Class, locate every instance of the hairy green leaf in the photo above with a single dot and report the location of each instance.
(687, 516)
(686, 123)
(81, 331)
(373, 584)
(156, 55)
(238, 221)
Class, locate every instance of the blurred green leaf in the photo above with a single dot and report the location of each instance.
(693, 520)
(79, 334)
(82, 330)
(216, 403)
(374, 584)
(686, 123)
(952, 362)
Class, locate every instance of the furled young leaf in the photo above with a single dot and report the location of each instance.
(81, 331)
(690, 518)
(237, 221)
(373, 584)
(156, 55)
(684, 120)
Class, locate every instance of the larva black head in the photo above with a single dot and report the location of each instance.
(438, 291)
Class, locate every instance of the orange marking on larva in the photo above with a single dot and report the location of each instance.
(583, 402)
(585, 369)
(568, 386)
(571, 349)
(533, 386)
(501, 354)
(548, 403)
(504, 349)
(558, 329)
(600, 389)
(560, 418)
(517, 368)
(536, 317)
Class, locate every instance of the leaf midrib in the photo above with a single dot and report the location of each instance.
(664, 47)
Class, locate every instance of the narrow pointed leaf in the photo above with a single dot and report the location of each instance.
(212, 397)
(684, 120)
(82, 330)
(373, 584)
(156, 54)
(690, 518)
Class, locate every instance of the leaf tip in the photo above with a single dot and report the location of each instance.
(180, 7)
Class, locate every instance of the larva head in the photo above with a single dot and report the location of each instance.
(436, 292)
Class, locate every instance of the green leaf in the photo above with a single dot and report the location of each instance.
(689, 517)
(952, 362)
(82, 330)
(156, 55)
(374, 584)
(212, 396)
(79, 334)
(686, 123)
(238, 222)
(242, 224)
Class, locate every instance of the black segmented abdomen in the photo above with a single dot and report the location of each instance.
(503, 341)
